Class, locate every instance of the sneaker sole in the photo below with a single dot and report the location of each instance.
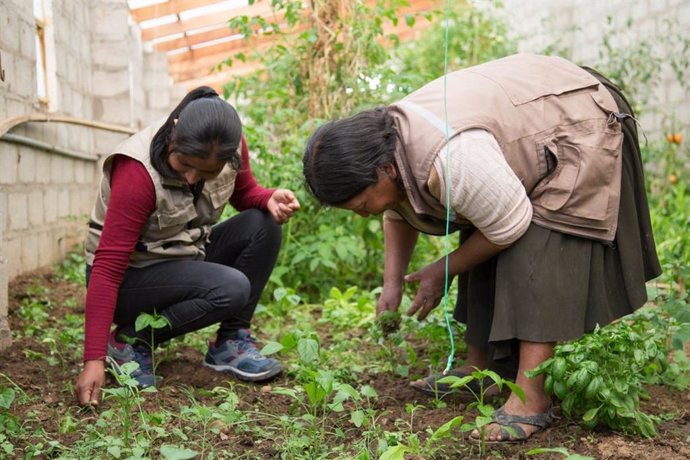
(246, 376)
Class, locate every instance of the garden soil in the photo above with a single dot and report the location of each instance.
(50, 391)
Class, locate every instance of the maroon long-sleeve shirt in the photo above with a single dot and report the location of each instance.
(132, 201)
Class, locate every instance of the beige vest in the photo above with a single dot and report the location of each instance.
(179, 227)
(535, 106)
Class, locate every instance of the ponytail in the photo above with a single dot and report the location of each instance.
(206, 125)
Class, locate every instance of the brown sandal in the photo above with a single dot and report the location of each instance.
(511, 432)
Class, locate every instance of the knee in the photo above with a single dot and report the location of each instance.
(232, 290)
(265, 226)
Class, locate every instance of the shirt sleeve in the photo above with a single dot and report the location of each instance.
(483, 188)
(248, 193)
(132, 200)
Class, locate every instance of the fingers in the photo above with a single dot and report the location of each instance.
(283, 205)
(95, 394)
(426, 309)
(417, 303)
(89, 394)
(422, 305)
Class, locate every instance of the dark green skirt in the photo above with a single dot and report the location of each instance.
(551, 287)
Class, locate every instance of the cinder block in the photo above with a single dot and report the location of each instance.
(48, 249)
(17, 211)
(109, 54)
(74, 203)
(109, 21)
(43, 168)
(57, 165)
(106, 141)
(3, 104)
(27, 165)
(9, 163)
(27, 38)
(13, 257)
(111, 84)
(26, 83)
(50, 202)
(11, 75)
(36, 208)
(159, 99)
(63, 203)
(3, 217)
(112, 110)
(79, 172)
(16, 107)
(9, 38)
(91, 173)
(86, 198)
(30, 247)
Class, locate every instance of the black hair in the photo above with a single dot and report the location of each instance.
(343, 157)
(206, 125)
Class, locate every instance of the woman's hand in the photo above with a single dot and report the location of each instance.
(88, 386)
(430, 292)
(389, 300)
(282, 205)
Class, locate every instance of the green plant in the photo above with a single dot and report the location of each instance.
(73, 267)
(411, 442)
(480, 402)
(600, 377)
(152, 321)
(127, 397)
(9, 424)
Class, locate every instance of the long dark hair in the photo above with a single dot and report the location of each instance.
(343, 157)
(206, 125)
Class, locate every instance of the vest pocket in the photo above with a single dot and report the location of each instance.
(580, 185)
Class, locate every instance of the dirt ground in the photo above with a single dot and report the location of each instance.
(49, 389)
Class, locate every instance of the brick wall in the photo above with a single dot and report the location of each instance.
(101, 73)
(577, 28)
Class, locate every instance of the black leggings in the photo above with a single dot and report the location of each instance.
(193, 294)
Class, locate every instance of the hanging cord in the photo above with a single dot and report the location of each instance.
(446, 308)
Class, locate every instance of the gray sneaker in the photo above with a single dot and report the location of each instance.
(241, 358)
(122, 353)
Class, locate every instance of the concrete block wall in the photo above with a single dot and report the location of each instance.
(102, 74)
(577, 27)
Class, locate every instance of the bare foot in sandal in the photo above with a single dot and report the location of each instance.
(517, 421)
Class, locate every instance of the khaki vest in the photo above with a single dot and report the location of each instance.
(537, 107)
(179, 227)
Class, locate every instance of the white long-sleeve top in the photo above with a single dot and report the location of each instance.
(483, 189)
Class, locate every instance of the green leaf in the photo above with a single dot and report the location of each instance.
(143, 321)
(270, 348)
(515, 388)
(590, 414)
(368, 392)
(357, 418)
(176, 453)
(308, 351)
(394, 453)
(558, 368)
(482, 420)
(445, 430)
(285, 392)
(6, 397)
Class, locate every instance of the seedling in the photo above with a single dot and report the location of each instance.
(485, 409)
